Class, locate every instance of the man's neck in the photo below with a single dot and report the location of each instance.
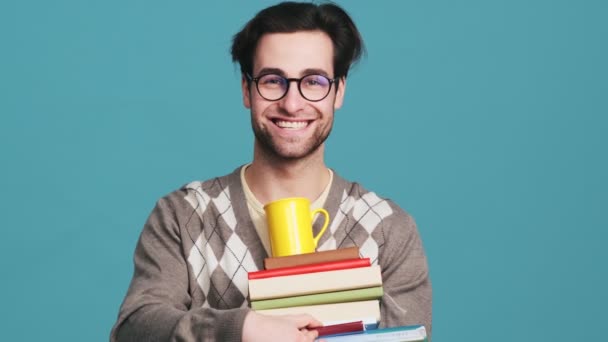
(270, 179)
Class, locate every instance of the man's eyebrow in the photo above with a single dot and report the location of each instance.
(280, 72)
(276, 71)
(314, 71)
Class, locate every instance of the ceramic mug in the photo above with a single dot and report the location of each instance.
(290, 226)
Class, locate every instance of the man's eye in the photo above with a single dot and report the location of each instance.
(272, 81)
(315, 82)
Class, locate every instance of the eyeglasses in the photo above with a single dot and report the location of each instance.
(274, 87)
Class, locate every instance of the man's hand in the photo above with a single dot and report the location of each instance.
(288, 328)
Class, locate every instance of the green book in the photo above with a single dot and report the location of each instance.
(319, 298)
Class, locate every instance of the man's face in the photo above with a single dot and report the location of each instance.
(292, 127)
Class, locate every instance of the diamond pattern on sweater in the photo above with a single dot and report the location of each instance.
(219, 258)
(368, 212)
(223, 205)
(200, 266)
(238, 261)
(223, 294)
(198, 199)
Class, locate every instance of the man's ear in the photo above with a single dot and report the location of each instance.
(341, 84)
(246, 92)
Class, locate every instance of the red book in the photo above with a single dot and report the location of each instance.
(342, 328)
(311, 268)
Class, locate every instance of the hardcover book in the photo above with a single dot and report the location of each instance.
(319, 298)
(311, 268)
(311, 283)
(335, 313)
(311, 258)
(413, 333)
(342, 328)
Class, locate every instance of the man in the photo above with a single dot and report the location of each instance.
(192, 259)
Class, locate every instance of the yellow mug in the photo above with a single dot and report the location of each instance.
(290, 226)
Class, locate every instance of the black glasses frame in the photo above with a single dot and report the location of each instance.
(289, 80)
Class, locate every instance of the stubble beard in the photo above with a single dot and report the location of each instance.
(293, 149)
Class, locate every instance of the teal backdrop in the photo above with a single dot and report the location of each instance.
(486, 120)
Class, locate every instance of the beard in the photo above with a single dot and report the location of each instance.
(293, 148)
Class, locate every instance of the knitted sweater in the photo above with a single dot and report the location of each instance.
(199, 243)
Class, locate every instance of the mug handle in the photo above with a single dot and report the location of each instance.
(326, 214)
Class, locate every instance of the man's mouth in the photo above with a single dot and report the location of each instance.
(291, 124)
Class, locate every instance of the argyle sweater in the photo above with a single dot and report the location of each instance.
(199, 243)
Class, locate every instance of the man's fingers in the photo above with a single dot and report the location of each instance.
(311, 334)
(314, 323)
(305, 320)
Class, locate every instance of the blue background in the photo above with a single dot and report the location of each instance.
(486, 120)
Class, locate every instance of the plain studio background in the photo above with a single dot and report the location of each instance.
(486, 120)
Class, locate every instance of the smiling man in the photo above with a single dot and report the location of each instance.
(199, 243)
(292, 111)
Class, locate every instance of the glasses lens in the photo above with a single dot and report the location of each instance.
(272, 87)
(315, 87)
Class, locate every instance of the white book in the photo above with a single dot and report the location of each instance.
(367, 311)
(310, 283)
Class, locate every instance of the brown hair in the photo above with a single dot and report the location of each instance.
(288, 17)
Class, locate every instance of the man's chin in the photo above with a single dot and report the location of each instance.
(288, 150)
(291, 153)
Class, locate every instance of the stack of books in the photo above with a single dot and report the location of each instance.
(336, 286)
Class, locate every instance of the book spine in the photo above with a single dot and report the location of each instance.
(311, 268)
(369, 322)
(313, 283)
(413, 333)
(312, 258)
(341, 328)
(366, 311)
(404, 333)
(319, 298)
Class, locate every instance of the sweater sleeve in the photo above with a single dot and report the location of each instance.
(407, 296)
(158, 305)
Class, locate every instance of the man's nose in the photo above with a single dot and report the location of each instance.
(293, 101)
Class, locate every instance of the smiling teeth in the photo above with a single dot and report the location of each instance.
(292, 124)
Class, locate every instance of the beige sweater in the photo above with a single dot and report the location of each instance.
(199, 243)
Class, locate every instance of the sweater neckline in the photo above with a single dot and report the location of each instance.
(338, 191)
